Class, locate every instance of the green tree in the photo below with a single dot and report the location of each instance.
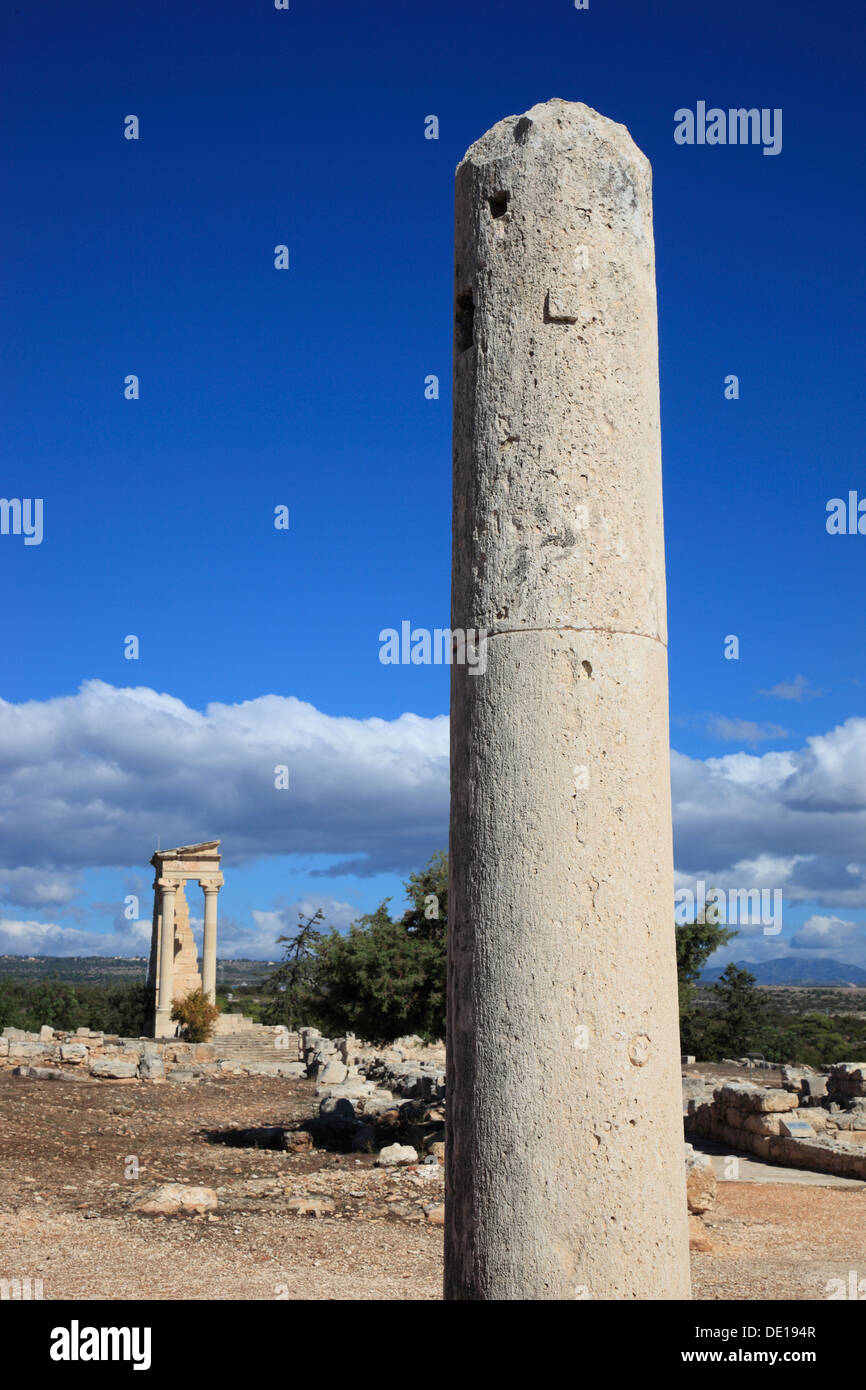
(741, 1015)
(384, 977)
(695, 943)
(292, 986)
(381, 981)
(428, 891)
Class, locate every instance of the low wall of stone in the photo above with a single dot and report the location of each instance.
(773, 1124)
(83, 1054)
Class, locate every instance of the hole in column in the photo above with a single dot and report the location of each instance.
(498, 204)
(587, 667)
(464, 321)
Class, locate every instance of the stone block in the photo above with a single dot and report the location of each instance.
(762, 1124)
(112, 1068)
(699, 1239)
(172, 1198)
(333, 1073)
(26, 1051)
(151, 1067)
(396, 1155)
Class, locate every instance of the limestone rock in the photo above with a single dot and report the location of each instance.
(700, 1182)
(48, 1074)
(395, 1155)
(172, 1197)
(151, 1067)
(332, 1073)
(337, 1113)
(297, 1141)
(111, 1068)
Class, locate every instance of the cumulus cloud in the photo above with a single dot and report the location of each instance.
(236, 940)
(91, 779)
(830, 934)
(32, 938)
(38, 887)
(797, 689)
(794, 819)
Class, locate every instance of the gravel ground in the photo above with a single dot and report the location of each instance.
(67, 1218)
(65, 1201)
(772, 1240)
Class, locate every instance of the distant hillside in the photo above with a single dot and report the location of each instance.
(795, 970)
(116, 969)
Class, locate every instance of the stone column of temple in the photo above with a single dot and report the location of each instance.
(565, 1175)
(164, 1027)
(211, 887)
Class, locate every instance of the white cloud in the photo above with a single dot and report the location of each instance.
(795, 818)
(38, 887)
(831, 934)
(91, 779)
(31, 938)
(797, 689)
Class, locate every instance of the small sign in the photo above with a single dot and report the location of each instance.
(797, 1129)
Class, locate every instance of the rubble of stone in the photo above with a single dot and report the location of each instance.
(379, 1099)
(701, 1186)
(371, 1098)
(813, 1121)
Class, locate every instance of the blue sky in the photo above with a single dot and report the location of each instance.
(305, 388)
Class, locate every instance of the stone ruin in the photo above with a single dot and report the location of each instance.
(173, 968)
(815, 1122)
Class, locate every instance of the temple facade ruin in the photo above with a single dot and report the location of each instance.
(173, 970)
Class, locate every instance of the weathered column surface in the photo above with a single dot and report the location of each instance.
(209, 941)
(565, 1146)
(164, 1028)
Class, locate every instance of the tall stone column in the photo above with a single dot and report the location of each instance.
(565, 1175)
(164, 1027)
(211, 887)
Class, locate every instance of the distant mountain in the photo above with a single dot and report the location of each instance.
(795, 970)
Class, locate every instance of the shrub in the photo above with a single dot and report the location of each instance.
(197, 1015)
